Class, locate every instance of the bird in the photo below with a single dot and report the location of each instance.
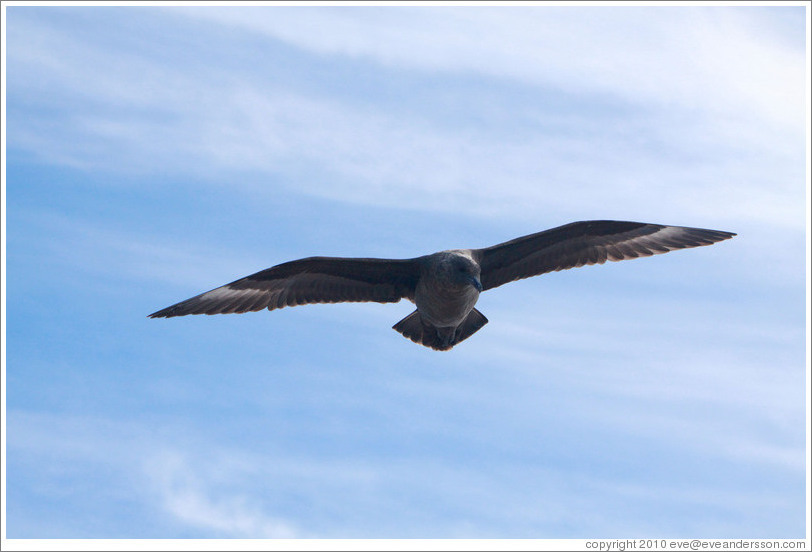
(444, 286)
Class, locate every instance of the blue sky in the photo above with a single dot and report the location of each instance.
(155, 153)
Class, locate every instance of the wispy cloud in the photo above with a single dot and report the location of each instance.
(145, 113)
(692, 58)
(186, 497)
(131, 460)
(240, 492)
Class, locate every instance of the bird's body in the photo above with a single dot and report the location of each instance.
(443, 297)
(444, 286)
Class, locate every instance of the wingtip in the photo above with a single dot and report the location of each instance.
(163, 313)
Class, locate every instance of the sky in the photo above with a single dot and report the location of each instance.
(154, 153)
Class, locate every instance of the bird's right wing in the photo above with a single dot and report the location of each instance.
(584, 243)
(311, 280)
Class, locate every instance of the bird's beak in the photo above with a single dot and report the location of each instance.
(476, 283)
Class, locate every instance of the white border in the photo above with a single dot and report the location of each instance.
(377, 544)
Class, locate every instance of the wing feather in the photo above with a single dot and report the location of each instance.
(311, 280)
(585, 243)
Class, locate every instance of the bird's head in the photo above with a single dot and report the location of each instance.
(463, 272)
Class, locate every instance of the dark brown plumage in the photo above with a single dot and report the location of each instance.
(445, 285)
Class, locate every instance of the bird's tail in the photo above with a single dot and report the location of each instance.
(415, 329)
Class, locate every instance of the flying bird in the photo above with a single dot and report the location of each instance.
(444, 286)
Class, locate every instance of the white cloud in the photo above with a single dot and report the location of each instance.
(146, 470)
(228, 494)
(187, 498)
(703, 134)
(695, 58)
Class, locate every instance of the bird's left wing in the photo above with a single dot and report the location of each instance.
(311, 280)
(585, 243)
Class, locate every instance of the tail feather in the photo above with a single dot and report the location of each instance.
(470, 325)
(440, 339)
